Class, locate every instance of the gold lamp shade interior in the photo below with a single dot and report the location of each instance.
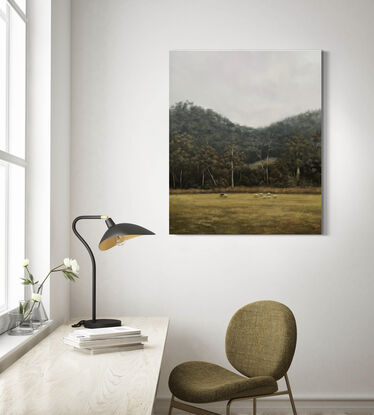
(117, 234)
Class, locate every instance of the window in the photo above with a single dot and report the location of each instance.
(12, 149)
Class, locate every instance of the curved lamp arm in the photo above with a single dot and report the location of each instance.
(79, 236)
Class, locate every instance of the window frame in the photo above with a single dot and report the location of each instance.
(6, 158)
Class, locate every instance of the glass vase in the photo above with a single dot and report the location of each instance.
(20, 322)
(38, 316)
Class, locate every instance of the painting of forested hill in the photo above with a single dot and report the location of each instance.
(245, 142)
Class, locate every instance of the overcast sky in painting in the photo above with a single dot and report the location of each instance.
(253, 88)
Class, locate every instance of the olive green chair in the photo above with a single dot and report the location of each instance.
(260, 344)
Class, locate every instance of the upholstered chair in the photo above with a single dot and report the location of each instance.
(260, 344)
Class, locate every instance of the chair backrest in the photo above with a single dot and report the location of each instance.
(261, 339)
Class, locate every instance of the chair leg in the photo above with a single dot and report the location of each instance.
(228, 405)
(290, 395)
(171, 405)
(254, 406)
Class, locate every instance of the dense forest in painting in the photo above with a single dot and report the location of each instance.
(208, 151)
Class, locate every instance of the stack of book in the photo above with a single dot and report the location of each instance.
(111, 339)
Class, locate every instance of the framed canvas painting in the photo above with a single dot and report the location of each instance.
(245, 142)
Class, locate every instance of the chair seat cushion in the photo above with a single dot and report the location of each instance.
(202, 382)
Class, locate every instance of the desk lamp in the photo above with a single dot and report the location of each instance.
(116, 234)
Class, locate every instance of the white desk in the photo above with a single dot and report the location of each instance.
(53, 379)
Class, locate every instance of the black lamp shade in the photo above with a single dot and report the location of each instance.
(119, 233)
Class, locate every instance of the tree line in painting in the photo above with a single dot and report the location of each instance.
(209, 151)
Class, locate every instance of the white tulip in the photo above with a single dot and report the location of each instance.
(67, 262)
(74, 266)
(36, 297)
(25, 262)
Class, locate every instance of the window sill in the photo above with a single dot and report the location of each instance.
(13, 347)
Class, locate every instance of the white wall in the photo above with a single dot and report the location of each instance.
(119, 167)
(48, 149)
(60, 154)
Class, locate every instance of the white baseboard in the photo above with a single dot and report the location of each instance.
(280, 406)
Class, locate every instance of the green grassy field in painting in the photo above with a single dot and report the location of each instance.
(243, 213)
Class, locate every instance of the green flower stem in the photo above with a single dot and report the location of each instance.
(49, 273)
(27, 269)
(29, 313)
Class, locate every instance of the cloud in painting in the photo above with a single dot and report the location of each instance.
(253, 88)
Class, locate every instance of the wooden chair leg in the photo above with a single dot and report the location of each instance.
(290, 395)
(171, 405)
(254, 406)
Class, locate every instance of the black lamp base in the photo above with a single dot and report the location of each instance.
(100, 323)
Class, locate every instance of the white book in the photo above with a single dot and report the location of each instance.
(95, 339)
(123, 339)
(100, 350)
(104, 342)
(105, 332)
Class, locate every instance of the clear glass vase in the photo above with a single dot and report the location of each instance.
(39, 315)
(20, 321)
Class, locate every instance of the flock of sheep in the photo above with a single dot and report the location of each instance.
(265, 196)
(258, 195)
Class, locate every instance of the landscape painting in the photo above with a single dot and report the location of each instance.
(245, 142)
